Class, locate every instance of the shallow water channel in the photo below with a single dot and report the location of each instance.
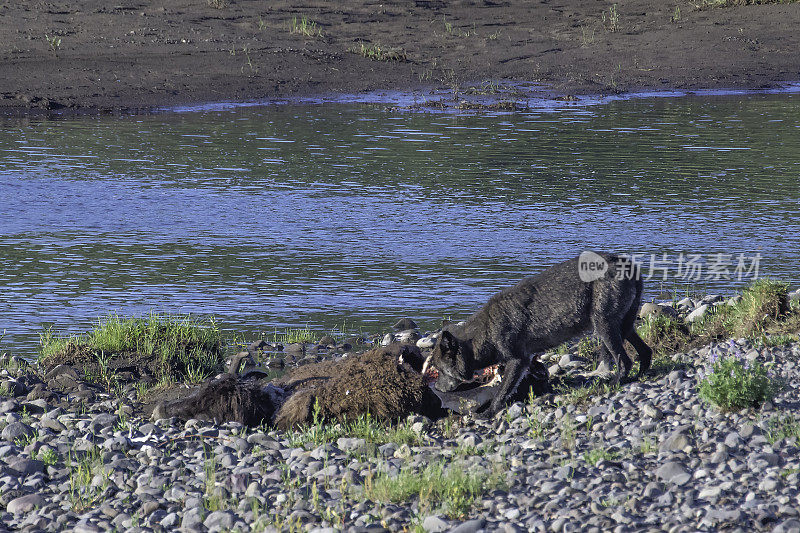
(342, 216)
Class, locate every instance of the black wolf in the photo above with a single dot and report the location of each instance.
(541, 312)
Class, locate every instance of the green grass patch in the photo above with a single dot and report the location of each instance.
(364, 427)
(763, 304)
(600, 454)
(304, 26)
(169, 345)
(586, 394)
(778, 339)
(438, 487)
(48, 456)
(84, 491)
(378, 53)
(664, 334)
(294, 335)
(589, 349)
(763, 314)
(783, 427)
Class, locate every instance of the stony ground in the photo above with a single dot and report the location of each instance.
(647, 456)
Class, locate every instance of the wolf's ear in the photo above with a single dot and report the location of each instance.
(449, 343)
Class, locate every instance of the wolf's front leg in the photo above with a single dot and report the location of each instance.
(515, 370)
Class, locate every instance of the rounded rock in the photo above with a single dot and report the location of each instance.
(25, 504)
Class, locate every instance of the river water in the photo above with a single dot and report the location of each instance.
(352, 216)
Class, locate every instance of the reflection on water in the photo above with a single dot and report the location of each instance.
(331, 215)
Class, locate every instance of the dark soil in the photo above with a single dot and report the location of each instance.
(100, 56)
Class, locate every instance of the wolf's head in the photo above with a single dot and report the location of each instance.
(453, 359)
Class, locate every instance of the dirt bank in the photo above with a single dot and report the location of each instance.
(138, 55)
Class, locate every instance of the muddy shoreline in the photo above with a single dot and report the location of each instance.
(89, 58)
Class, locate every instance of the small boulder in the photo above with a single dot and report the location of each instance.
(257, 346)
(327, 341)
(673, 472)
(25, 504)
(648, 309)
(16, 430)
(409, 336)
(427, 342)
(697, 314)
(404, 324)
(434, 524)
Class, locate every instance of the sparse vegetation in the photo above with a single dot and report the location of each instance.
(783, 426)
(486, 88)
(536, 426)
(586, 394)
(450, 488)
(24, 440)
(48, 456)
(451, 30)
(377, 52)
(291, 336)
(84, 491)
(567, 429)
(217, 4)
(589, 348)
(364, 427)
(54, 42)
(305, 27)
(587, 35)
(762, 314)
(595, 455)
(664, 334)
(762, 305)
(611, 19)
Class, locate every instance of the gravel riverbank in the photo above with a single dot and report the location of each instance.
(647, 456)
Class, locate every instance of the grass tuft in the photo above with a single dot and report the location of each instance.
(378, 53)
(664, 334)
(87, 479)
(305, 26)
(292, 336)
(364, 427)
(174, 344)
(785, 426)
(595, 455)
(450, 488)
(763, 303)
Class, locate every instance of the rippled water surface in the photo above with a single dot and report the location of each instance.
(329, 215)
